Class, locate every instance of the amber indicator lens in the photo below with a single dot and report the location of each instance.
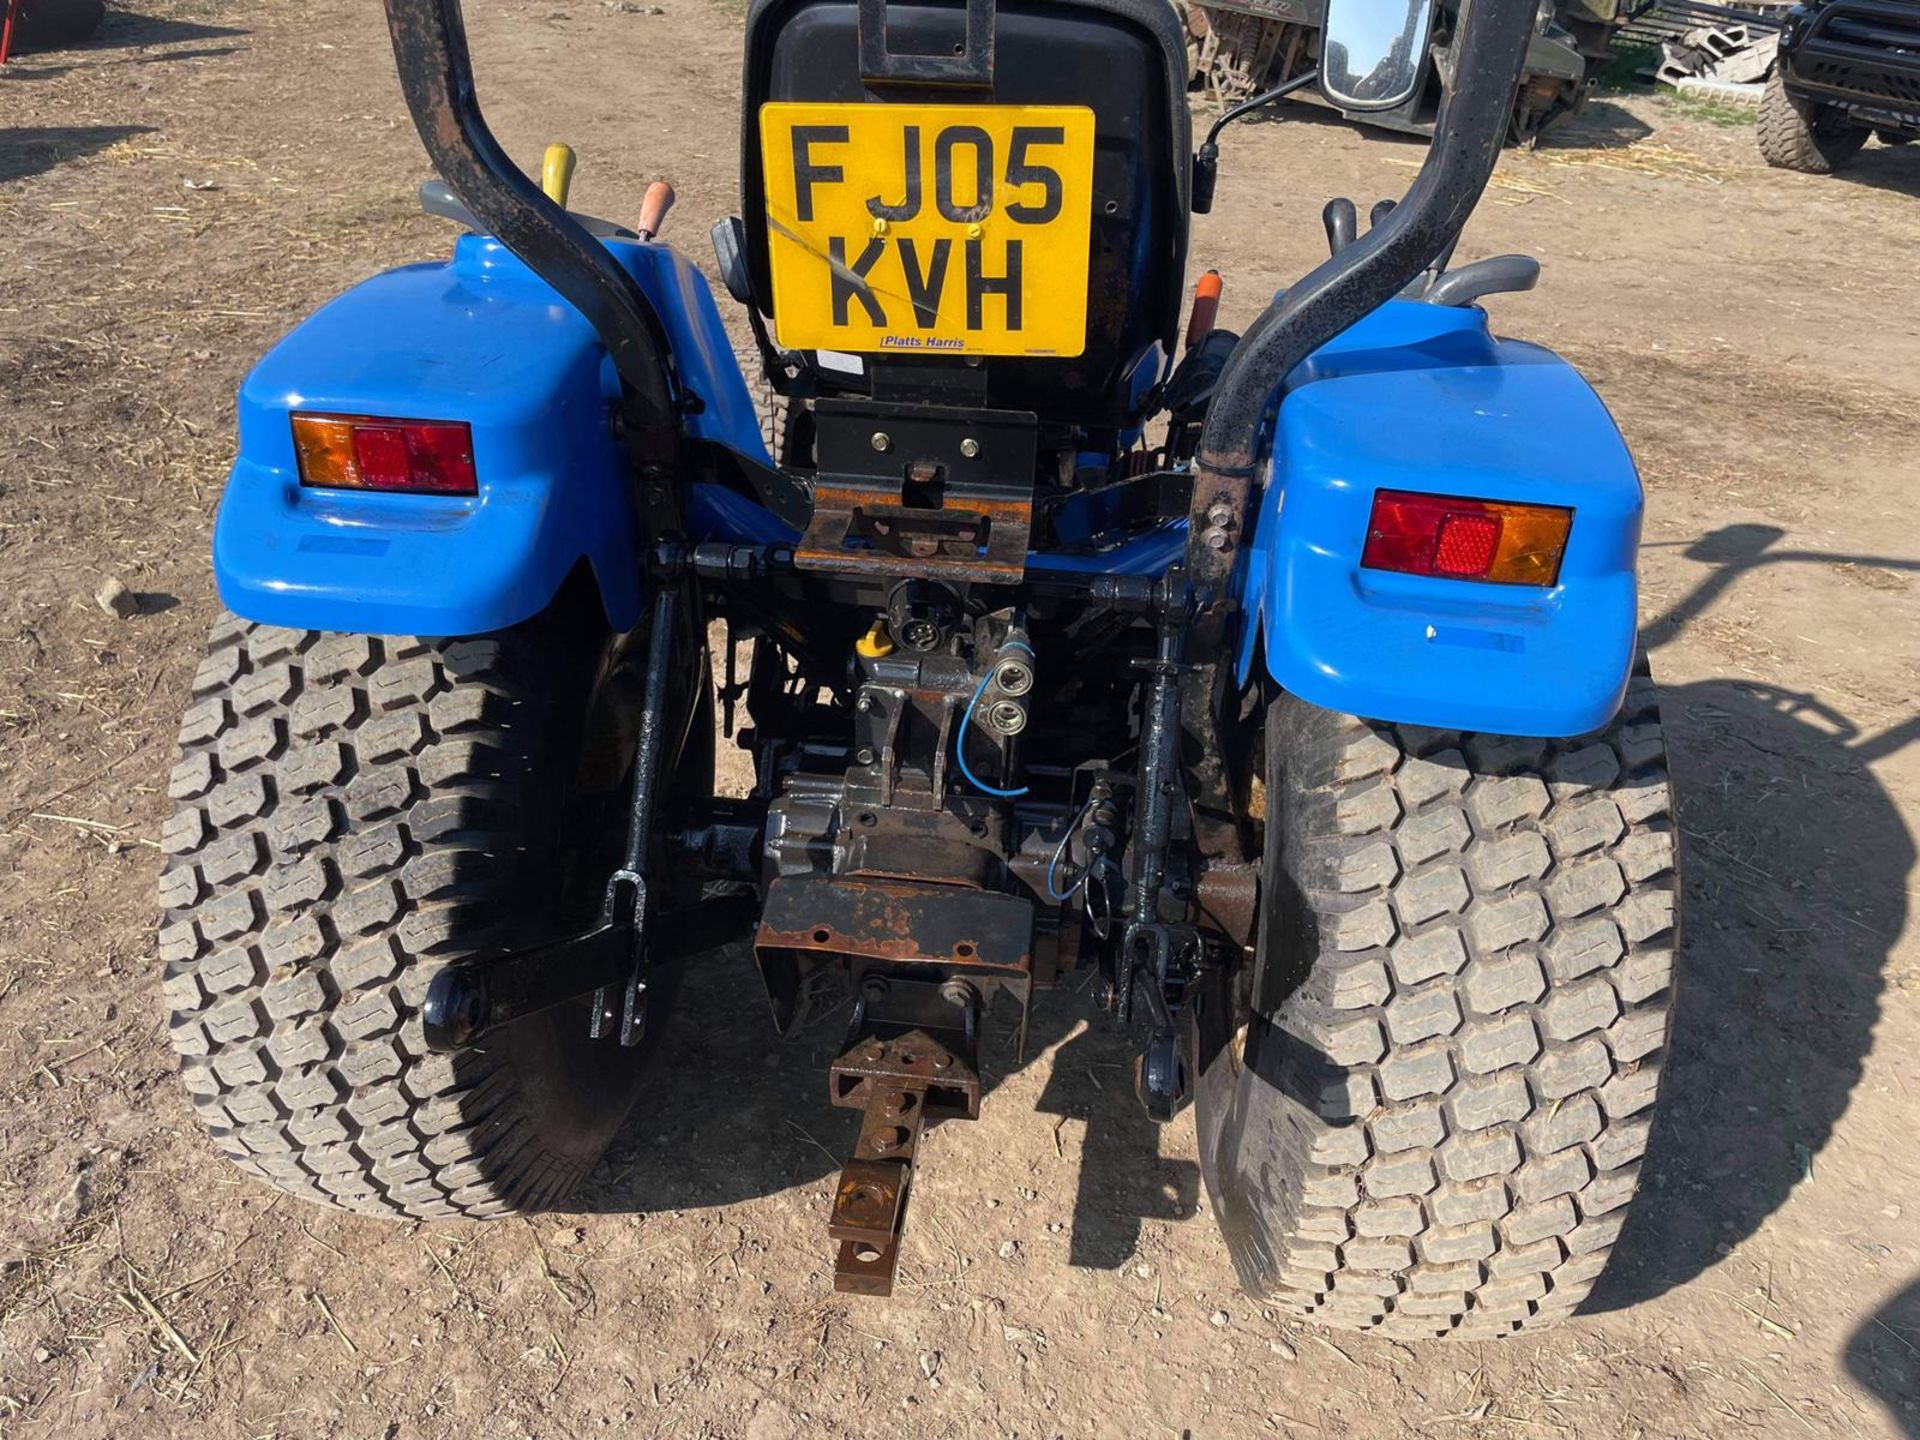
(364, 452)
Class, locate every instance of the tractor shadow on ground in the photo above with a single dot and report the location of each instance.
(1795, 863)
(28, 150)
(1883, 1356)
(123, 30)
(733, 1112)
(1318, 116)
(23, 69)
(1599, 125)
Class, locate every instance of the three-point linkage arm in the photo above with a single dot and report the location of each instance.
(1361, 275)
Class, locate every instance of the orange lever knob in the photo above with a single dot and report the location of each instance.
(653, 209)
(1206, 306)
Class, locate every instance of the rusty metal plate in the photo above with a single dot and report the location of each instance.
(1228, 894)
(926, 490)
(861, 1268)
(896, 922)
(862, 529)
(915, 1061)
(869, 1200)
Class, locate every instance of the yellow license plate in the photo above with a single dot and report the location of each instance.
(955, 229)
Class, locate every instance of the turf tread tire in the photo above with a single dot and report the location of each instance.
(353, 813)
(787, 427)
(1458, 1021)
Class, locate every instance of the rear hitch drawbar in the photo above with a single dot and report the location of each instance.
(911, 1057)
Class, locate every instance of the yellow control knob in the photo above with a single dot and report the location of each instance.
(556, 173)
(875, 643)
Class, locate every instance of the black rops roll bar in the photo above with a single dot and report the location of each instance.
(436, 75)
(1490, 43)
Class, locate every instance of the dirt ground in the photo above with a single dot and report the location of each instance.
(175, 195)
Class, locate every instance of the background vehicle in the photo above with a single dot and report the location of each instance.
(47, 24)
(1847, 69)
(1243, 47)
(1031, 687)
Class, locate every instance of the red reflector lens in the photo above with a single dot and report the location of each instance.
(1463, 539)
(380, 452)
(358, 452)
(1466, 544)
(442, 458)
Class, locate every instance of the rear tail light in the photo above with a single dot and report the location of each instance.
(1466, 539)
(362, 452)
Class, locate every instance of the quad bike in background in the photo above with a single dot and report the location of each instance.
(1240, 48)
(47, 24)
(1287, 680)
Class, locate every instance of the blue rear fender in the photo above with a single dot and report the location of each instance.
(481, 339)
(1421, 397)
(1414, 397)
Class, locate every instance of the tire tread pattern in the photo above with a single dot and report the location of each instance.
(1474, 1035)
(1789, 134)
(351, 814)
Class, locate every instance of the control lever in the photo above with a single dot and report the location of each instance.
(653, 209)
(1495, 275)
(1342, 222)
(1206, 308)
(437, 198)
(556, 173)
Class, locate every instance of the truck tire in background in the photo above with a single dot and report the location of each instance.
(1433, 1118)
(1801, 135)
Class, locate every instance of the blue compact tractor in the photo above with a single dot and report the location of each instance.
(1286, 681)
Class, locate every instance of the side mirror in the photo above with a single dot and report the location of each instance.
(1374, 52)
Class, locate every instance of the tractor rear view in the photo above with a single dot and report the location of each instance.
(1286, 681)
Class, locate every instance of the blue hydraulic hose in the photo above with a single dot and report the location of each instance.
(966, 724)
(1054, 864)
